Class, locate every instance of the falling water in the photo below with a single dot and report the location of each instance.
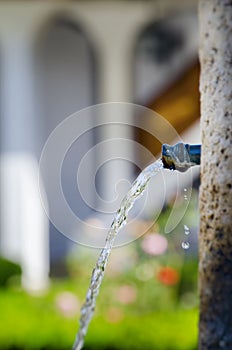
(119, 221)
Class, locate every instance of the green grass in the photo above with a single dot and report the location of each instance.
(33, 323)
(159, 331)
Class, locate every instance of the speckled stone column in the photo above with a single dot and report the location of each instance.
(215, 268)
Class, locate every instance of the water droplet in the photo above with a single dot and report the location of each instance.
(185, 245)
(185, 197)
(186, 230)
(185, 189)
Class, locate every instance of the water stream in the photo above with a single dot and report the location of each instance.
(119, 221)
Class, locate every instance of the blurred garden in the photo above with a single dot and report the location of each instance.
(62, 64)
(148, 298)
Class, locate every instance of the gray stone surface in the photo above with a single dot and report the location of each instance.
(215, 266)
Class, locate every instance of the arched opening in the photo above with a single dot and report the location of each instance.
(65, 71)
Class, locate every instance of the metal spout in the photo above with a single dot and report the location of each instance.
(180, 156)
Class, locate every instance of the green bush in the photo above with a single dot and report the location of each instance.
(8, 269)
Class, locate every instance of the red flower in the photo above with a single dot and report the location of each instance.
(168, 276)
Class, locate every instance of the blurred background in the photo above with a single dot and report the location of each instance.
(56, 58)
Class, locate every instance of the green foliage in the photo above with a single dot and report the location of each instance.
(34, 323)
(161, 331)
(8, 269)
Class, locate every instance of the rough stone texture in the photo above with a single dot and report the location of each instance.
(215, 268)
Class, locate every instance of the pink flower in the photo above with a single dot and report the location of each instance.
(68, 304)
(126, 294)
(154, 244)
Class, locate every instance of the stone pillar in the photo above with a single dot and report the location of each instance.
(215, 268)
(115, 85)
(24, 226)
